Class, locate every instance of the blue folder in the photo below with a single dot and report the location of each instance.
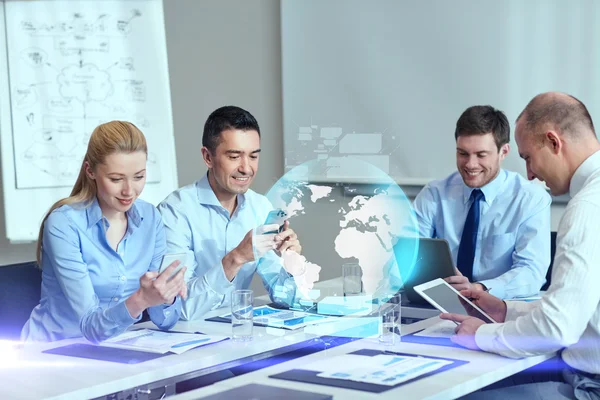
(112, 354)
(255, 391)
(306, 376)
(436, 341)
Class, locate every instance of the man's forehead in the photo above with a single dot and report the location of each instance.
(474, 142)
(239, 140)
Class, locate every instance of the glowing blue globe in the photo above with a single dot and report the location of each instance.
(361, 216)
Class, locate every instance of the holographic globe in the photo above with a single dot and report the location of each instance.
(353, 212)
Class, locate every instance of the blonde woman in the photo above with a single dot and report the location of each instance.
(100, 248)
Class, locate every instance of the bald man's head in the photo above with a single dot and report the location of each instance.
(557, 111)
(554, 135)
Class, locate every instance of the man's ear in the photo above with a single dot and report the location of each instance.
(504, 150)
(554, 141)
(88, 170)
(207, 156)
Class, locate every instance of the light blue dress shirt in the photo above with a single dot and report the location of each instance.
(85, 282)
(197, 224)
(513, 240)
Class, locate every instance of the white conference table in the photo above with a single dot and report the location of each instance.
(482, 370)
(27, 373)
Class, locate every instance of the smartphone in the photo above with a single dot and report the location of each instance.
(445, 298)
(168, 259)
(278, 217)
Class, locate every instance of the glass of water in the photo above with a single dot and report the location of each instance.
(352, 279)
(242, 314)
(389, 315)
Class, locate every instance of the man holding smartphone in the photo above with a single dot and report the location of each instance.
(218, 221)
(556, 138)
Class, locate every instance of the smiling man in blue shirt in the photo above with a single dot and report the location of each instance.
(496, 222)
(215, 221)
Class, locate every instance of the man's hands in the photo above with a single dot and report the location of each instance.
(287, 240)
(491, 305)
(157, 289)
(460, 282)
(465, 332)
(256, 244)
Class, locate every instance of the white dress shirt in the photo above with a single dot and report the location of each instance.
(568, 315)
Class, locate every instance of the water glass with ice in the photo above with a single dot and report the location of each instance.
(389, 315)
(242, 313)
(352, 279)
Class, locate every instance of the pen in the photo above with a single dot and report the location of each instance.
(189, 343)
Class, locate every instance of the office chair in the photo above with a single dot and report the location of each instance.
(20, 292)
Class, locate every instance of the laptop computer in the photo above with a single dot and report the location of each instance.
(432, 260)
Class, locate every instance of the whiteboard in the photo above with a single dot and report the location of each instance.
(67, 67)
(386, 80)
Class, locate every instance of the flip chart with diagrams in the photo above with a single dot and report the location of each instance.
(70, 66)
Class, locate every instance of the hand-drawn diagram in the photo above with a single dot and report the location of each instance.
(70, 71)
(334, 149)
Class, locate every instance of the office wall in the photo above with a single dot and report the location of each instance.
(224, 52)
(220, 52)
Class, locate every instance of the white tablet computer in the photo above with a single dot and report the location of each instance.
(446, 299)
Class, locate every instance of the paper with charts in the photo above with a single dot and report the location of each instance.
(286, 319)
(161, 341)
(74, 65)
(383, 369)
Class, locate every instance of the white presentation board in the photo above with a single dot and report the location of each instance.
(68, 66)
(385, 80)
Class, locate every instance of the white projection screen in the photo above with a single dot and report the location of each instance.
(385, 81)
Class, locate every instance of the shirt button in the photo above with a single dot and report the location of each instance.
(167, 313)
(123, 278)
(116, 299)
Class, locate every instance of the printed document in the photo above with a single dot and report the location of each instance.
(383, 369)
(161, 341)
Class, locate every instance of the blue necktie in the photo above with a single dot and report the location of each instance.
(468, 240)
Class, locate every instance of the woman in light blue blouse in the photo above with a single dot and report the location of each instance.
(100, 248)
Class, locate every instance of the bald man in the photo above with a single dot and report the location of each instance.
(556, 138)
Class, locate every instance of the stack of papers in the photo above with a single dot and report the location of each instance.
(388, 370)
(443, 329)
(286, 319)
(161, 341)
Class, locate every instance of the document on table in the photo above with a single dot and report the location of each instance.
(443, 329)
(161, 341)
(383, 369)
(286, 319)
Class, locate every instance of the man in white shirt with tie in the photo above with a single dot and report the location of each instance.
(556, 138)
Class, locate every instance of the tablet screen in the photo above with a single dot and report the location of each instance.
(452, 303)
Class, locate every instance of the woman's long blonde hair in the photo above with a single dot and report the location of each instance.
(109, 138)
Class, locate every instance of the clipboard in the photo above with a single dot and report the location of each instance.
(255, 391)
(307, 376)
(111, 354)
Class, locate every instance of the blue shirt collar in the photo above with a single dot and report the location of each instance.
(490, 190)
(583, 172)
(94, 214)
(207, 196)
